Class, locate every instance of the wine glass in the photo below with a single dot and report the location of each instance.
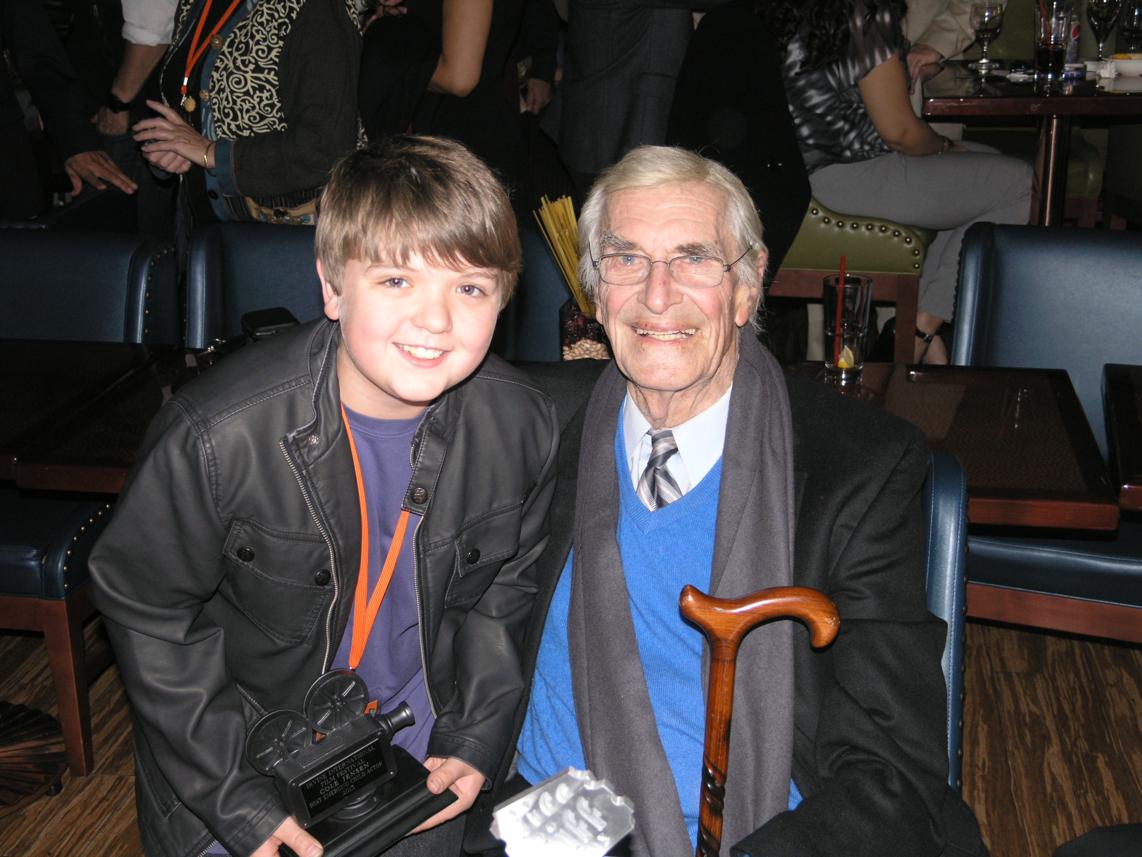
(1130, 27)
(1102, 14)
(986, 20)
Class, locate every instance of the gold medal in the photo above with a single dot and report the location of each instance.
(189, 104)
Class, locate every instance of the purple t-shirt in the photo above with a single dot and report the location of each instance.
(391, 665)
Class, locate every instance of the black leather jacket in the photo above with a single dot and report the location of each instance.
(227, 573)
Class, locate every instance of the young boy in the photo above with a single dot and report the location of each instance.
(270, 488)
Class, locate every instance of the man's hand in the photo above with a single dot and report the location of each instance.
(459, 776)
(537, 95)
(923, 62)
(96, 168)
(110, 123)
(290, 834)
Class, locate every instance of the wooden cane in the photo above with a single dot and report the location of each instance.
(725, 622)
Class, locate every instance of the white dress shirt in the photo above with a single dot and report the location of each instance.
(700, 440)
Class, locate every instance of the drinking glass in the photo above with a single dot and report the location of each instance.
(1102, 14)
(986, 20)
(1052, 33)
(847, 308)
(1130, 28)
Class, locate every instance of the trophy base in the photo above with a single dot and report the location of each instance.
(403, 803)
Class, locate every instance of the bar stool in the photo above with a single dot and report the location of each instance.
(892, 254)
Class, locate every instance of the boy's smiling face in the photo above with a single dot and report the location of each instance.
(409, 332)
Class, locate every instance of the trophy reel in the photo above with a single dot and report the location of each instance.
(275, 737)
(334, 700)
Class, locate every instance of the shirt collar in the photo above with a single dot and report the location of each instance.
(700, 441)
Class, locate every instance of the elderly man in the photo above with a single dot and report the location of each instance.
(699, 462)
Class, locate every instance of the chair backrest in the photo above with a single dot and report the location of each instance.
(1030, 296)
(945, 511)
(236, 268)
(87, 287)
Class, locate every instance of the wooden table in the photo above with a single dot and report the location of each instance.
(1026, 448)
(73, 414)
(1122, 395)
(956, 93)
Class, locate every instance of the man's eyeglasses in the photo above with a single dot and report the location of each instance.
(693, 270)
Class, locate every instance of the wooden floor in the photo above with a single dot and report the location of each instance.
(1053, 738)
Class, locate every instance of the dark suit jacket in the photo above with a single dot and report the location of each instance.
(622, 58)
(869, 749)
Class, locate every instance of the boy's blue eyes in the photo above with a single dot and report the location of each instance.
(467, 289)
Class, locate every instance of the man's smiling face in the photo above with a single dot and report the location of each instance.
(677, 346)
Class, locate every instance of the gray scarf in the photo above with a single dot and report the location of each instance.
(753, 549)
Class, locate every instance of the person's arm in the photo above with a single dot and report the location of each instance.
(138, 63)
(539, 39)
(58, 95)
(950, 32)
(464, 37)
(884, 91)
(318, 87)
(874, 778)
(946, 35)
(155, 567)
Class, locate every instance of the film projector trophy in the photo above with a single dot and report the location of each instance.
(353, 790)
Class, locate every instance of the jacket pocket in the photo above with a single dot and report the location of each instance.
(481, 548)
(280, 581)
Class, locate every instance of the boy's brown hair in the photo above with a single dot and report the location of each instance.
(420, 195)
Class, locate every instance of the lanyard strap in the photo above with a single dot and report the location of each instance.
(366, 605)
(198, 48)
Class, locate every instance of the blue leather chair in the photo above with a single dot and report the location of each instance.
(945, 512)
(236, 268)
(1060, 299)
(71, 286)
(88, 287)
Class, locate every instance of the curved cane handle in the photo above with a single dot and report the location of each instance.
(728, 620)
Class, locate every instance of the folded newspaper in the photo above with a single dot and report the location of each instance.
(570, 815)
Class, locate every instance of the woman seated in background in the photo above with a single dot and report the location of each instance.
(867, 153)
(259, 101)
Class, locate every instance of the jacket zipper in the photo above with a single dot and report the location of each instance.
(329, 546)
(420, 613)
(413, 455)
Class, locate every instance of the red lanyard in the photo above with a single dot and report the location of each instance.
(365, 605)
(198, 48)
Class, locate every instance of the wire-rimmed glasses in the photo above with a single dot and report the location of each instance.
(693, 270)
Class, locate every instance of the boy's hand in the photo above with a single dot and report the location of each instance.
(459, 776)
(290, 833)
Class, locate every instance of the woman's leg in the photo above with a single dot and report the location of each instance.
(946, 193)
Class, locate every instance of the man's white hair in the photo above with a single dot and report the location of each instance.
(654, 166)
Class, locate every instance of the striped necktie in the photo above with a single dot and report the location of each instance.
(656, 487)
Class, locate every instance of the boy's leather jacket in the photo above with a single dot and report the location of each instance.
(227, 573)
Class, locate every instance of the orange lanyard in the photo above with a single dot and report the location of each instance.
(198, 48)
(366, 605)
